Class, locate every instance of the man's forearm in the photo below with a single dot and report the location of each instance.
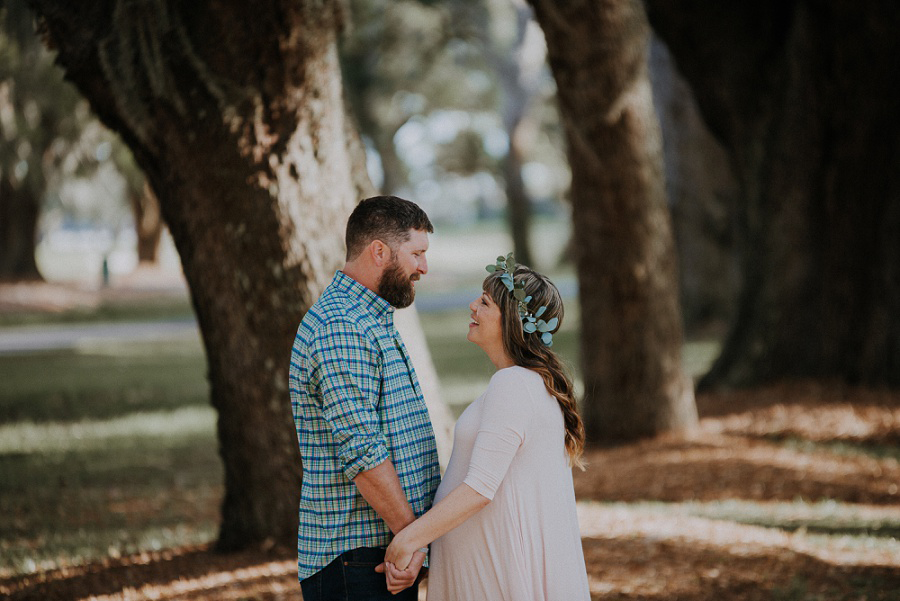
(381, 489)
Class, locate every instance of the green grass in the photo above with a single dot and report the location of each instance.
(161, 308)
(822, 517)
(116, 380)
(105, 452)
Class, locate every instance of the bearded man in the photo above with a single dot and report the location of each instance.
(370, 462)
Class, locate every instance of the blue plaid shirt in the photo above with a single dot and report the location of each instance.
(356, 403)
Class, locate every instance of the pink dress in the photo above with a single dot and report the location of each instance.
(525, 545)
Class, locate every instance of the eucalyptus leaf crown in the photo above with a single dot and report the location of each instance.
(531, 321)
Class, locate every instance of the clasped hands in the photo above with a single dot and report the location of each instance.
(402, 562)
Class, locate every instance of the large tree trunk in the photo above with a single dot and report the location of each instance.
(19, 211)
(805, 99)
(234, 111)
(631, 327)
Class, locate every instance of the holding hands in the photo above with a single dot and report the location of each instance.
(402, 563)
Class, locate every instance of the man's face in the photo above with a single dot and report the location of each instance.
(398, 281)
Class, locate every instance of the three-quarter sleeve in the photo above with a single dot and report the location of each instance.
(344, 366)
(508, 409)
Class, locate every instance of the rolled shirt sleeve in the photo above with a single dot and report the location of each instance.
(346, 371)
(508, 409)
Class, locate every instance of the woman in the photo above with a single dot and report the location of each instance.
(504, 525)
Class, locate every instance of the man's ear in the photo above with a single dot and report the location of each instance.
(380, 253)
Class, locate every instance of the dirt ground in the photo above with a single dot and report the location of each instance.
(776, 444)
(636, 551)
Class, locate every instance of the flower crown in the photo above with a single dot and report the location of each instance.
(531, 322)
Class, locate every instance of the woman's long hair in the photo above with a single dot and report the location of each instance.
(527, 350)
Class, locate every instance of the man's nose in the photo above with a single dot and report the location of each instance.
(423, 265)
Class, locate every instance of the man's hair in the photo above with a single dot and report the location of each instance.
(385, 218)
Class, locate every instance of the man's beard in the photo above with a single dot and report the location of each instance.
(396, 287)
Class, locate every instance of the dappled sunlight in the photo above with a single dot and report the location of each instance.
(25, 437)
(832, 422)
(656, 524)
(728, 467)
(189, 573)
(654, 568)
(272, 580)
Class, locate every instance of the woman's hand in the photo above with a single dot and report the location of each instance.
(400, 551)
(402, 563)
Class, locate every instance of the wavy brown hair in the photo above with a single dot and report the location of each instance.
(527, 350)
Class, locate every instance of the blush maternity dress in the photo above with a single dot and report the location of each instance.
(509, 445)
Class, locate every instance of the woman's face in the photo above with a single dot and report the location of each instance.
(485, 329)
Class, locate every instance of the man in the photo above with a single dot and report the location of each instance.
(370, 463)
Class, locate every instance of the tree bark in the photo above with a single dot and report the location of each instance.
(631, 327)
(19, 211)
(234, 111)
(805, 99)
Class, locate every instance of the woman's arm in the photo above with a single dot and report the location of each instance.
(454, 509)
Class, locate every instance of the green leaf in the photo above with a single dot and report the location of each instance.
(491, 268)
(501, 259)
(519, 294)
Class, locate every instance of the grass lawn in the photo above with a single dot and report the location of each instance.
(105, 452)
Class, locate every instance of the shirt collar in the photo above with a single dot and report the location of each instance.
(378, 306)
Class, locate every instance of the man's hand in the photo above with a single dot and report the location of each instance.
(398, 580)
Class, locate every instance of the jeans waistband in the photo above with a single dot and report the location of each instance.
(364, 554)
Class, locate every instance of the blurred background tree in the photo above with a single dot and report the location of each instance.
(702, 193)
(58, 164)
(631, 335)
(458, 105)
(40, 120)
(804, 99)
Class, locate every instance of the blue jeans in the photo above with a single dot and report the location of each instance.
(352, 577)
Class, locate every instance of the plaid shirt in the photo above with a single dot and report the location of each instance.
(356, 403)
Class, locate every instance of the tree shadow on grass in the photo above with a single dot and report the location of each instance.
(187, 574)
(713, 467)
(669, 570)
